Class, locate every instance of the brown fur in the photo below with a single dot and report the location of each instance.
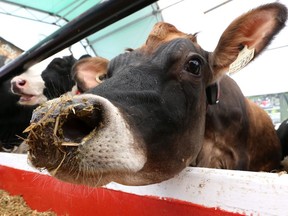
(263, 143)
(149, 121)
(238, 134)
(91, 68)
(163, 32)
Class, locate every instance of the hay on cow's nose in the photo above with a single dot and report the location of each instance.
(46, 140)
(49, 117)
(69, 144)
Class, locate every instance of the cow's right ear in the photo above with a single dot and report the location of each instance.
(246, 37)
(163, 32)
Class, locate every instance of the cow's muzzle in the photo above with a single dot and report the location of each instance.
(83, 135)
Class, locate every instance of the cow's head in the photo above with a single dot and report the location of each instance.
(146, 122)
(89, 72)
(38, 84)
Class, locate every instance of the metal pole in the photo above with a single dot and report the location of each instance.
(94, 19)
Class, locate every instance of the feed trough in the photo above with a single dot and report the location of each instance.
(195, 191)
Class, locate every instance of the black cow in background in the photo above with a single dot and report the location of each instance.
(30, 88)
(14, 118)
(34, 88)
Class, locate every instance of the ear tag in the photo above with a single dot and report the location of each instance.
(243, 58)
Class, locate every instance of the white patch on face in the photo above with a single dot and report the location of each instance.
(113, 146)
(33, 93)
(109, 150)
(30, 86)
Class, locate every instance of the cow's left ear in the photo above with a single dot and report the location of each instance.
(246, 37)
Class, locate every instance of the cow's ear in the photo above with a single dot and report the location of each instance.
(246, 37)
(163, 32)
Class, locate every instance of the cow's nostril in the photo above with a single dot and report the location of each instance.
(80, 123)
(21, 82)
(74, 130)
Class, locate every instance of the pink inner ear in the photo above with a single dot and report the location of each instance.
(254, 29)
(259, 28)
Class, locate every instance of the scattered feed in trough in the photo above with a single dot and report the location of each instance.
(15, 205)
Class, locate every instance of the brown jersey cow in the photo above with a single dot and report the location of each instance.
(149, 119)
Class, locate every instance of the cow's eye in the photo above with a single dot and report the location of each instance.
(102, 77)
(194, 66)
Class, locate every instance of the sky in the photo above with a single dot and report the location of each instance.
(262, 76)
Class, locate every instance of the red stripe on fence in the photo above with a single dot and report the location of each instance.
(42, 192)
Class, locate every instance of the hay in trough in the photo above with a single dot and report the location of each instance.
(15, 205)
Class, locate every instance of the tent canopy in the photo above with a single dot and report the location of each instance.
(129, 32)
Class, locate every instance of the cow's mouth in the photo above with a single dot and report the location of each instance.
(31, 99)
(74, 138)
(26, 97)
